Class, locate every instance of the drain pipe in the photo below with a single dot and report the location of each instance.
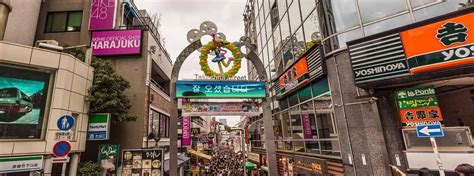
(5, 10)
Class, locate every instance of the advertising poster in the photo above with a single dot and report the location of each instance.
(99, 125)
(220, 89)
(142, 162)
(216, 108)
(23, 95)
(102, 14)
(117, 42)
(108, 158)
(186, 130)
(307, 131)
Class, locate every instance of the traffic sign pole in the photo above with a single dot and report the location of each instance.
(438, 156)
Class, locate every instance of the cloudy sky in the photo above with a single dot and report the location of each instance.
(180, 16)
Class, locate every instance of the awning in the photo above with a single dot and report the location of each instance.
(181, 160)
(264, 168)
(199, 154)
(250, 166)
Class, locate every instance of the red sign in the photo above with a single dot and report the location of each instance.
(61, 148)
(420, 116)
(294, 77)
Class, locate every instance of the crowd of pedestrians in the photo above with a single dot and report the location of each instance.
(226, 162)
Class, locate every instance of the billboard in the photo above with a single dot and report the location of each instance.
(220, 108)
(102, 14)
(23, 95)
(142, 162)
(440, 45)
(99, 127)
(117, 42)
(220, 89)
(294, 77)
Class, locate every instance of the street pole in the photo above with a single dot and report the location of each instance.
(438, 156)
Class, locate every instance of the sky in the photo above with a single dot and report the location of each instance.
(180, 16)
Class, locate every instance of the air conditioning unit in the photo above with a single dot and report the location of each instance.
(49, 44)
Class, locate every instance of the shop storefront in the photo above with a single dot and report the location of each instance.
(254, 159)
(422, 74)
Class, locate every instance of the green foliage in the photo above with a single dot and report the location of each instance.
(89, 169)
(106, 93)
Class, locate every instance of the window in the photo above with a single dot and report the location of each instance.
(23, 94)
(311, 30)
(384, 9)
(63, 21)
(295, 17)
(340, 14)
(274, 15)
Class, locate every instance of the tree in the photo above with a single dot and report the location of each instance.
(89, 169)
(106, 93)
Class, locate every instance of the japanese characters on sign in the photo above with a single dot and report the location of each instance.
(440, 45)
(216, 108)
(220, 89)
(418, 106)
(22, 163)
(63, 136)
(142, 162)
(295, 76)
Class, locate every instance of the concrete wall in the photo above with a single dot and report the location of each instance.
(72, 79)
(358, 122)
(65, 38)
(457, 108)
(22, 21)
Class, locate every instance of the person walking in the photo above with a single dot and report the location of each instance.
(464, 170)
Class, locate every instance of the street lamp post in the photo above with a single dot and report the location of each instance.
(242, 148)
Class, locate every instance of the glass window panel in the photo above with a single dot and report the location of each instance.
(274, 17)
(307, 7)
(330, 148)
(298, 44)
(262, 19)
(277, 38)
(260, 43)
(305, 93)
(277, 129)
(293, 99)
(59, 22)
(266, 9)
(311, 29)
(285, 28)
(271, 50)
(384, 9)
(296, 125)
(49, 23)
(341, 15)
(267, 58)
(387, 24)
(325, 125)
(417, 3)
(309, 120)
(320, 87)
(295, 16)
(438, 9)
(283, 103)
(281, 7)
(341, 39)
(74, 21)
(287, 54)
(268, 26)
(299, 146)
(312, 147)
(264, 55)
(286, 125)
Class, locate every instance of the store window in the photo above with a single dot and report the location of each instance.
(23, 94)
(63, 21)
(384, 9)
(341, 15)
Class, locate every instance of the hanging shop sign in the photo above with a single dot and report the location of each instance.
(108, 157)
(217, 108)
(294, 77)
(186, 131)
(142, 162)
(195, 131)
(117, 42)
(418, 106)
(440, 45)
(307, 131)
(102, 14)
(21, 164)
(247, 140)
(99, 127)
(220, 89)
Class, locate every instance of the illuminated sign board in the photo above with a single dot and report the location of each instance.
(418, 106)
(294, 77)
(119, 42)
(220, 89)
(102, 14)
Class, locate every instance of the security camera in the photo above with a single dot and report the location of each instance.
(153, 49)
(373, 99)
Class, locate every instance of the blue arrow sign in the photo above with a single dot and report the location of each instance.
(434, 130)
(66, 122)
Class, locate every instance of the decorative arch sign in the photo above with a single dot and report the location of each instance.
(220, 89)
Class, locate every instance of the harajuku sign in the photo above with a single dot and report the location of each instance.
(114, 43)
(217, 108)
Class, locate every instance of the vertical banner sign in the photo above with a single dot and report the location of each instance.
(307, 132)
(247, 140)
(99, 127)
(418, 106)
(186, 129)
(102, 15)
(108, 157)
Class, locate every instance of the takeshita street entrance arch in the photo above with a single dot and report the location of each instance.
(216, 49)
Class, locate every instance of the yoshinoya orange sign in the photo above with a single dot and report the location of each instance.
(444, 44)
(295, 76)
